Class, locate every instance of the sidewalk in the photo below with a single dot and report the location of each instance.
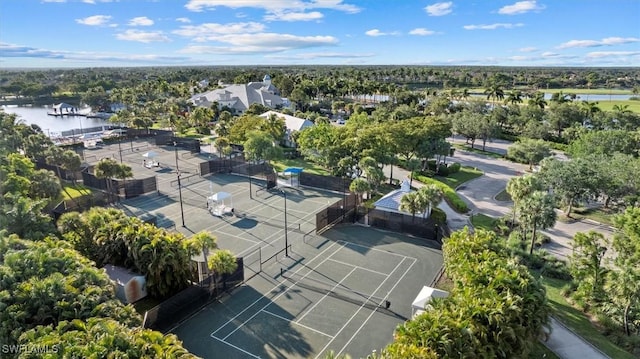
(569, 345)
(479, 194)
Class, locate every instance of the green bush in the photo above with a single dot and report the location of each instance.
(454, 168)
(443, 171)
(438, 215)
(450, 195)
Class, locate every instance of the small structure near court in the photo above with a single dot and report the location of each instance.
(391, 201)
(220, 204)
(421, 303)
(130, 287)
(294, 175)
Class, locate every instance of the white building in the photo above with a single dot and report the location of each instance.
(239, 97)
(292, 124)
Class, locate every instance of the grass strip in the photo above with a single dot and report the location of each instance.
(577, 320)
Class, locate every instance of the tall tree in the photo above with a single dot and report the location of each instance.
(520, 188)
(202, 242)
(537, 212)
(429, 196)
(529, 151)
(222, 262)
(410, 202)
(586, 265)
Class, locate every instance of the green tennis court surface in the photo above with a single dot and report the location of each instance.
(345, 291)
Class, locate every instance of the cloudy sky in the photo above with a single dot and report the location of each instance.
(89, 33)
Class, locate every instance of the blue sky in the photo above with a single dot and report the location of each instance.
(92, 33)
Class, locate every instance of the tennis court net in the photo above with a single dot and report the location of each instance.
(336, 290)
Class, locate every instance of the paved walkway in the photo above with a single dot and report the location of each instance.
(480, 196)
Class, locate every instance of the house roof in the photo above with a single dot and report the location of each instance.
(291, 122)
(391, 201)
(120, 275)
(239, 97)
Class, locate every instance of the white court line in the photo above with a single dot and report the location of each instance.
(272, 289)
(359, 309)
(279, 295)
(234, 346)
(298, 324)
(374, 249)
(324, 296)
(363, 268)
(373, 311)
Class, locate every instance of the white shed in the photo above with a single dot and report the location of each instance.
(424, 297)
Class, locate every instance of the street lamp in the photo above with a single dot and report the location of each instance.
(286, 227)
(175, 147)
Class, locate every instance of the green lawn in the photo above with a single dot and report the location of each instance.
(477, 149)
(456, 179)
(600, 91)
(577, 320)
(634, 106)
(76, 191)
(483, 221)
(600, 215)
(309, 167)
(503, 196)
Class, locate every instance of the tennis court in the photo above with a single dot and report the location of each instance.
(344, 291)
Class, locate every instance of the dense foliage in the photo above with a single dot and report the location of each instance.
(108, 236)
(496, 309)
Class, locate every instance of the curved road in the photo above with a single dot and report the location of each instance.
(480, 196)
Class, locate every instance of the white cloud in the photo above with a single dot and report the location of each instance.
(260, 43)
(439, 8)
(317, 55)
(273, 6)
(493, 26)
(184, 20)
(549, 54)
(519, 58)
(528, 49)
(94, 1)
(294, 16)
(95, 20)
(142, 36)
(140, 21)
(520, 7)
(608, 41)
(11, 50)
(600, 54)
(212, 31)
(56, 1)
(421, 31)
(376, 32)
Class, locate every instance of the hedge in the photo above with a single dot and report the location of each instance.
(450, 195)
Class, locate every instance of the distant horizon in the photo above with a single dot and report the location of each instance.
(81, 34)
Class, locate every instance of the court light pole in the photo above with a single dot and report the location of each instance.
(120, 148)
(286, 227)
(175, 147)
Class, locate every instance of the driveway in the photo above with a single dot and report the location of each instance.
(479, 194)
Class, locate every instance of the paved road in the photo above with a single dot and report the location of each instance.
(480, 196)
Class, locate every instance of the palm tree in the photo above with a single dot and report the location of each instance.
(514, 97)
(537, 212)
(537, 100)
(275, 126)
(521, 187)
(429, 196)
(222, 262)
(202, 241)
(109, 169)
(494, 91)
(410, 202)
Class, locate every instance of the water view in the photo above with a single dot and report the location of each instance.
(52, 125)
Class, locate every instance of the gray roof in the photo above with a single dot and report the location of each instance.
(237, 97)
(291, 122)
(391, 201)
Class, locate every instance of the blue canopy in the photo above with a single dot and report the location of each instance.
(293, 170)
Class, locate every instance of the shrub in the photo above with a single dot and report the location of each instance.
(450, 195)
(454, 168)
(443, 171)
(438, 215)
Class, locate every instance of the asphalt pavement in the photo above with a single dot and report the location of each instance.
(480, 194)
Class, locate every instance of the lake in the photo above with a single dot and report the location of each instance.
(52, 125)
